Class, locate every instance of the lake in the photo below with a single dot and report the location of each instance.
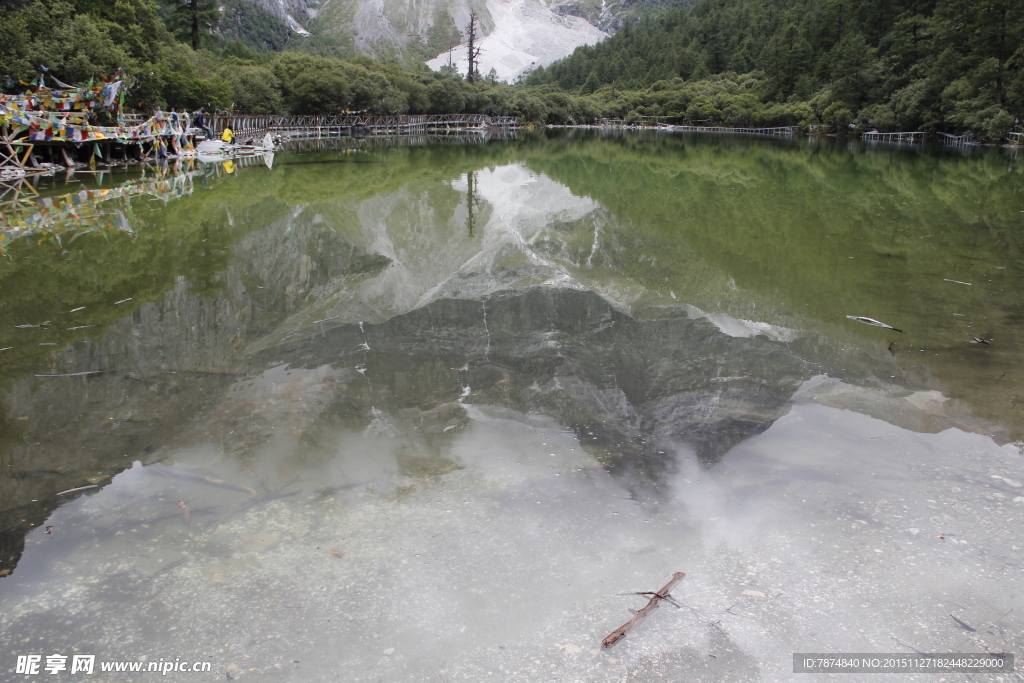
(436, 409)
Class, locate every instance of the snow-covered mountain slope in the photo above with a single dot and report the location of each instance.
(515, 35)
(526, 34)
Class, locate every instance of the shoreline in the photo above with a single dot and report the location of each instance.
(725, 130)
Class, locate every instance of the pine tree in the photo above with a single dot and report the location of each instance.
(192, 19)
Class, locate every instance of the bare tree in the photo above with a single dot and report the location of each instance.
(473, 71)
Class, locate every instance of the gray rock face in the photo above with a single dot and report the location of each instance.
(610, 16)
(298, 9)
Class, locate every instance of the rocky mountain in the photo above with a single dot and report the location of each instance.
(516, 36)
(519, 36)
(610, 16)
(295, 14)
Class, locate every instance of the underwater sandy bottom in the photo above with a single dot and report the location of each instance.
(830, 532)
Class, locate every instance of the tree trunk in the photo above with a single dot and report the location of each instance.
(474, 52)
(1001, 58)
(194, 6)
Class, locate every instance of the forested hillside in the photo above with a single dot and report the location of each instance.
(188, 56)
(936, 65)
(844, 65)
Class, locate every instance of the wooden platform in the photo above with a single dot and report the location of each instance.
(781, 131)
(17, 156)
(317, 127)
(905, 136)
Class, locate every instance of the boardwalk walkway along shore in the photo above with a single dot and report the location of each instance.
(899, 137)
(290, 127)
(32, 140)
(906, 136)
(784, 131)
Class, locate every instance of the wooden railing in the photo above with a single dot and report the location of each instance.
(252, 127)
(958, 139)
(905, 136)
(775, 130)
(243, 126)
(370, 144)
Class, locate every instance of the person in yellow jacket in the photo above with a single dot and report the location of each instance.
(227, 136)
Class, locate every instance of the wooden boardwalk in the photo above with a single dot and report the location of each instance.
(906, 136)
(252, 128)
(655, 124)
(915, 136)
(17, 156)
(779, 131)
(373, 143)
(958, 139)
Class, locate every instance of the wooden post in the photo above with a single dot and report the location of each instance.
(28, 153)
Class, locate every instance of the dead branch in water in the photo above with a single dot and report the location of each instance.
(75, 374)
(663, 594)
(80, 488)
(188, 475)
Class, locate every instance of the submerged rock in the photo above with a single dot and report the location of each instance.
(634, 392)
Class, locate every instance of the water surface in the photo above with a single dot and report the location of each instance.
(423, 411)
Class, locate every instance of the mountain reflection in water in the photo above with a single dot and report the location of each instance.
(660, 300)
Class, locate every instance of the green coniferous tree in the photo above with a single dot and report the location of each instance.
(191, 20)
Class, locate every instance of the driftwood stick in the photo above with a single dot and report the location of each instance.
(80, 488)
(663, 594)
(667, 598)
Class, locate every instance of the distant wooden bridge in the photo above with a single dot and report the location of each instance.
(905, 136)
(654, 122)
(346, 125)
(368, 144)
(958, 139)
(781, 131)
(915, 136)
